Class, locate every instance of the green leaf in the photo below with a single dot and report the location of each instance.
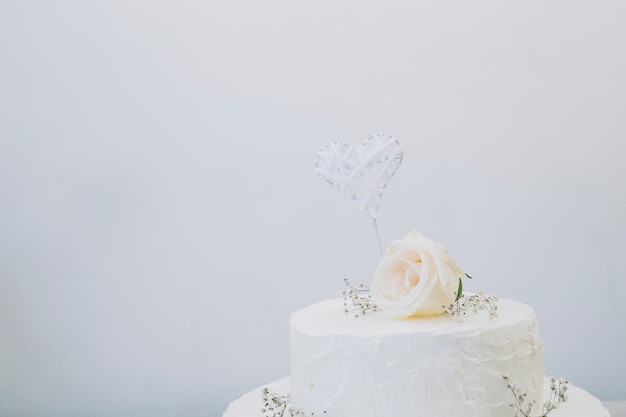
(459, 292)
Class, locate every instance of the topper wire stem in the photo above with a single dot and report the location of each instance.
(380, 247)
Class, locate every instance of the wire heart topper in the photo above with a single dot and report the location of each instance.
(362, 172)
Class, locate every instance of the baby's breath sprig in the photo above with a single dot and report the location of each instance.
(277, 405)
(357, 299)
(474, 303)
(523, 406)
(558, 394)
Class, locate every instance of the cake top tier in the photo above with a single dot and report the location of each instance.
(328, 317)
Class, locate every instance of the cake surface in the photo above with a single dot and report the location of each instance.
(377, 366)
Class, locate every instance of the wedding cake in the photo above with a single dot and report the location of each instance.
(413, 343)
(434, 366)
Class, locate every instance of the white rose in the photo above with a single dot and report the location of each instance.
(416, 277)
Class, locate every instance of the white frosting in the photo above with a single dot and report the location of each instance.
(376, 366)
(580, 403)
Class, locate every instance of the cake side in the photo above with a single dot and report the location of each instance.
(376, 366)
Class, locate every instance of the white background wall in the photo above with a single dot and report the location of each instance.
(159, 214)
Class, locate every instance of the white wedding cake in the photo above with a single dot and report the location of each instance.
(460, 355)
(414, 344)
(375, 366)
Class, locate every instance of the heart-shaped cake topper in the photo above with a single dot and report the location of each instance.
(362, 172)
